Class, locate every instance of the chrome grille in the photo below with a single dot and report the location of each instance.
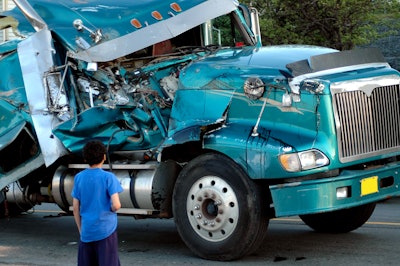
(367, 122)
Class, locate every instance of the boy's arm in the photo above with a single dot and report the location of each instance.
(77, 214)
(115, 202)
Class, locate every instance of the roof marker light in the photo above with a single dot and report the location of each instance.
(136, 23)
(174, 6)
(156, 15)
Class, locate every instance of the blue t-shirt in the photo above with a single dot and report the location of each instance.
(93, 188)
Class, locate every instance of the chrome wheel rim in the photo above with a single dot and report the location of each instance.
(212, 208)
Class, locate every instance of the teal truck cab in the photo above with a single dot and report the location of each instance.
(202, 123)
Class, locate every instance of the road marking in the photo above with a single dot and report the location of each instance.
(287, 219)
(384, 223)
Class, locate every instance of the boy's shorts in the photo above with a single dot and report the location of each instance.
(102, 253)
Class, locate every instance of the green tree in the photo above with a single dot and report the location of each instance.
(340, 24)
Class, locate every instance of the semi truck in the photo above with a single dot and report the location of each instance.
(202, 123)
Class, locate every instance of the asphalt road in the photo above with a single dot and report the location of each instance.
(43, 237)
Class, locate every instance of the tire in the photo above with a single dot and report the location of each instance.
(341, 221)
(219, 211)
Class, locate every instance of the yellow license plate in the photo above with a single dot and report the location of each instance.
(369, 185)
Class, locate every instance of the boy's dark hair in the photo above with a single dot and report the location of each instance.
(94, 152)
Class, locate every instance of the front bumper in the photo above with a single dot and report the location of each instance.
(316, 196)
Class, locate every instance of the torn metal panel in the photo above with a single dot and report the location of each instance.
(35, 55)
(97, 122)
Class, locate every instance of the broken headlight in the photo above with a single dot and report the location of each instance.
(254, 88)
(312, 85)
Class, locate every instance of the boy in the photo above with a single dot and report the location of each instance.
(95, 202)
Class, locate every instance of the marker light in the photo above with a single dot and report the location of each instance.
(290, 162)
(157, 15)
(176, 7)
(136, 23)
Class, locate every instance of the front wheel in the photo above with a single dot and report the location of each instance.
(340, 221)
(219, 212)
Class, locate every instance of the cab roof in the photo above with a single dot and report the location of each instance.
(112, 29)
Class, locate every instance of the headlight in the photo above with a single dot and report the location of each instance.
(254, 88)
(306, 160)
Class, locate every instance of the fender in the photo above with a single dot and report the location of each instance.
(256, 154)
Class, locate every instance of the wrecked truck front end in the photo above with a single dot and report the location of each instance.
(110, 73)
(81, 69)
(98, 71)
